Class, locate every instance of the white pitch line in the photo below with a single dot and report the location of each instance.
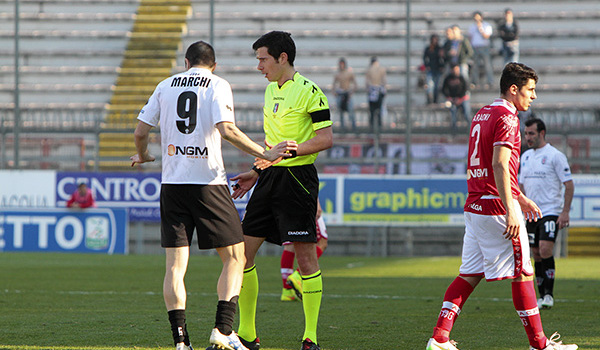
(325, 295)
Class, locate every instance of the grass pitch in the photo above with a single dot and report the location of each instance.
(98, 302)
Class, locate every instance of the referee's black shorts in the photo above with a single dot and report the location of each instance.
(283, 206)
(207, 208)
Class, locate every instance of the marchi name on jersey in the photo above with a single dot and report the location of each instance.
(190, 82)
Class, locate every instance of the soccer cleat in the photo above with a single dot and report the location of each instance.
(182, 346)
(432, 344)
(307, 344)
(225, 342)
(295, 280)
(547, 302)
(539, 302)
(288, 295)
(554, 344)
(251, 345)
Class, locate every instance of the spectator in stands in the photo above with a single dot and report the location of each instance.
(508, 30)
(344, 86)
(433, 60)
(81, 198)
(457, 50)
(376, 82)
(480, 33)
(456, 90)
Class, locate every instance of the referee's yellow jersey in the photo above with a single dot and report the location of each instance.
(293, 112)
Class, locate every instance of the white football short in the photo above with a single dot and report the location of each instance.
(486, 251)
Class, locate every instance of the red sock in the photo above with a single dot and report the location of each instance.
(523, 294)
(319, 252)
(454, 299)
(287, 266)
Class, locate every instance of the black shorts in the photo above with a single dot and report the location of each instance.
(207, 208)
(545, 229)
(283, 206)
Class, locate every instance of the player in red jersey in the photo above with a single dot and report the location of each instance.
(496, 244)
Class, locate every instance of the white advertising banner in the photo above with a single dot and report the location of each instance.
(27, 188)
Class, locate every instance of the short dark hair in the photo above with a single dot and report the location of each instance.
(276, 43)
(516, 74)
(200, 53)
(538, 122)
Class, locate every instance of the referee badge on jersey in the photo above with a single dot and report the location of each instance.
(275, 108)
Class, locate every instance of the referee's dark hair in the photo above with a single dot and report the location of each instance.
(200, 53)
(538, 122)
(276, 43)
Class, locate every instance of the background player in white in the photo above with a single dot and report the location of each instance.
(544, 170)
(195, 109)
(495, 244)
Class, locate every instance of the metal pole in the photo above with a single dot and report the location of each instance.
(212, 22)
(408, 90)
(17, 92)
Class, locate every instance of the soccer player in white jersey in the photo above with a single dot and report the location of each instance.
(495, 245)
(544, 170)
(195, 110)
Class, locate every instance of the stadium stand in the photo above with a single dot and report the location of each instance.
(84, 56)
(149, 58)
(584, 241)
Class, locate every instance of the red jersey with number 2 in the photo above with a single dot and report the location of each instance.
(494, 125)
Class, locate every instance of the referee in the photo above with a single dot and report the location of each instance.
(195, 110)
(544, 170)
(283, 205)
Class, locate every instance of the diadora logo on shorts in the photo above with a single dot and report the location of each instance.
(297, 233)
(190, 151)
(475, 207)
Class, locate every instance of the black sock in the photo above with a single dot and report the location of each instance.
(226, 315)
(549, 268)
(178, 327)
(539, 277)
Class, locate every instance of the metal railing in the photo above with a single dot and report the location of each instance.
(68, 138)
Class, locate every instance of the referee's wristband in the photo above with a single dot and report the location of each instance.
(293, 154)
(258, 171)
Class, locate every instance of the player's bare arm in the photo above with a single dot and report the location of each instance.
(141, 135)
(500, 160)
(322, 141)
(563, 218)
(236, 137)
